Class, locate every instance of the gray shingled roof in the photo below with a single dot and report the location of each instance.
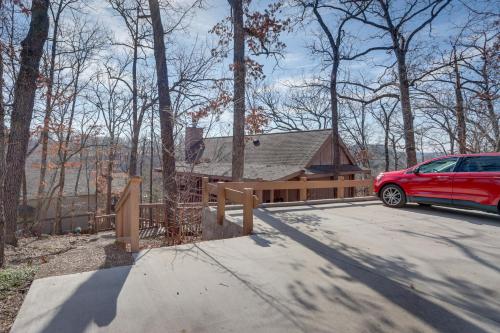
(290, 148)
(277, 156)
(252, 171)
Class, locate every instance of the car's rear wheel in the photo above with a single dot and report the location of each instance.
(393, 196)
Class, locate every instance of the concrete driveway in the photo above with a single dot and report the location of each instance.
(357, 267)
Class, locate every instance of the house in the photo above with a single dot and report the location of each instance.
(268, 157)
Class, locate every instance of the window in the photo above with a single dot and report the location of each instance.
(444, 165)
(481, 164)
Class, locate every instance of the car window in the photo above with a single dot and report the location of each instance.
(443, 165)
(480, 164)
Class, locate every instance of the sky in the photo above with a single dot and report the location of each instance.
(297, 62)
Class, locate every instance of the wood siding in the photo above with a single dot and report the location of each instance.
(324, 155)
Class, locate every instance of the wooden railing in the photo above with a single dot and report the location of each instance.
(102, 222)
(187, 225)
(243, 193)
(151, 215)
(127, 215)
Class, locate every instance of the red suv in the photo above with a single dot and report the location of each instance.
(465, 181)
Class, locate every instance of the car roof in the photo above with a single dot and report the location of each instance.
(472, 155)
(455, 155)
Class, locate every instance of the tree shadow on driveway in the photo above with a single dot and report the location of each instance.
(469, 216)
(94, 301)
(420, 307)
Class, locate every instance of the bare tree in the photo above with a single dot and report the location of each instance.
(332, 47)
(22, 112)
(82, 45)
(355, 124)
(113, 105)
(239, 70)
(131, 12)
(166, 120)
(56, 10)
(293, 108)
(259, 31)
(402, 23)
(459, 108)
(2, 143)
(480, 81)
(383, 115)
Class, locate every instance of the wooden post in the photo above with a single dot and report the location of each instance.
(133, 202)
(260, 193)
(247, 211)
(119, 225)
(340, 188)
(221, 202)
(271, 195)
(303, 189)
(204, 191)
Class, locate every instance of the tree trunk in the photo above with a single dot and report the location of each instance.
(79, 172)
(386, 146)
(489, 104)
(2, 155)
(134, 146)
(494, 120)
(451, 137)
(459, 109)
(166, 122)
(57, 227)
(335, 119)
(141, 165)
(65, 147)
(239, 72)
(404, 89)
(24, 192)
(48, 108)
(136, 127)
(109, 177)
(151, 160)
(22, 112)
(395, 152)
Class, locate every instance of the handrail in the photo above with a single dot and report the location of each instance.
(159, 204)
(102, 222)
(126, 190)
(242, 193)
(295, 184)
(105, 215)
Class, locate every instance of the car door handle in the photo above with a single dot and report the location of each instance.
(443, 177)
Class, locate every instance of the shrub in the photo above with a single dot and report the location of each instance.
(11, 278)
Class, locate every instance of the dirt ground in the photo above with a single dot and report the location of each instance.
(39, 257)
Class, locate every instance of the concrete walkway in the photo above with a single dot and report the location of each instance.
(332, 268)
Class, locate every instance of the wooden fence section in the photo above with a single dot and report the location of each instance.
(127, 215)
(102, 222)
(151, 215)
(243, 193)
(188, 221)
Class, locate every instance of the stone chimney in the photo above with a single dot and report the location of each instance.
(193, 143)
